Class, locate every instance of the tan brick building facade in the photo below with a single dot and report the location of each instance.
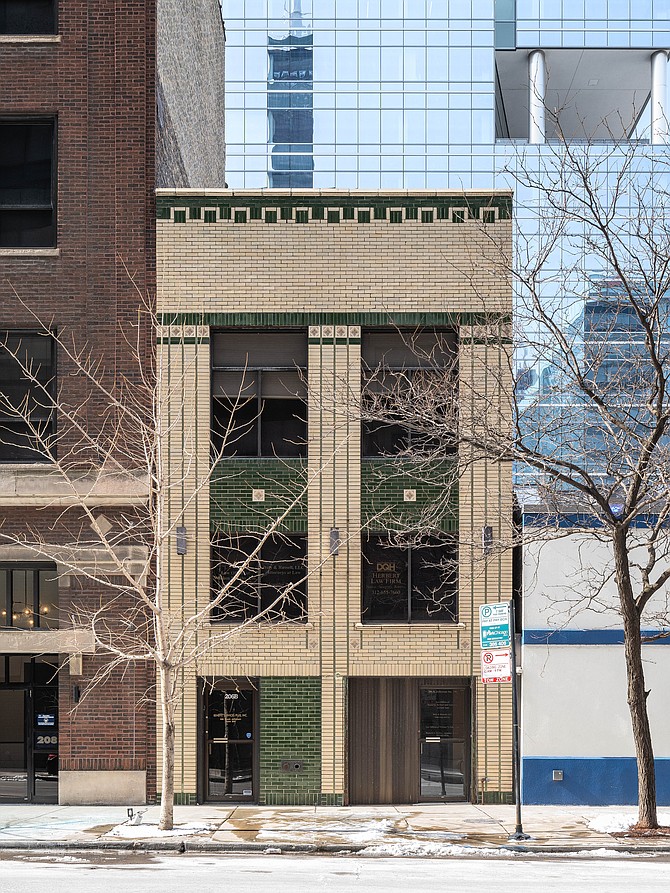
(322, 690)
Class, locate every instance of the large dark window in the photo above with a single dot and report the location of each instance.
(27, 218)
(29, 597)
(259, 393)
(416, 583)
(26, 389)
(402, 371)
(271, 586)
(27, 16)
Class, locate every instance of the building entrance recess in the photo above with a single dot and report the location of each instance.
(230, 736)
(409, 740)
(29, 729)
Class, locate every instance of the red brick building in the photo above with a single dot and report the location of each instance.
(77, 113)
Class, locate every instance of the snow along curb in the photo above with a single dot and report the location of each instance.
(276, 848)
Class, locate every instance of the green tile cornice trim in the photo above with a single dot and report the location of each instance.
(334, 209)
(262, 320)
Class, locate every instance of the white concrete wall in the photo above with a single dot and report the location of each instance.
(574, 701)
(574, 695)
(567, 584)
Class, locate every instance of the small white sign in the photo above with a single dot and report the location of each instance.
(497, 665)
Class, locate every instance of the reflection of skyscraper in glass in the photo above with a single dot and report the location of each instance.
(290, 105)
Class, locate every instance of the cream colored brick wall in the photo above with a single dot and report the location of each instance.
(254, 267)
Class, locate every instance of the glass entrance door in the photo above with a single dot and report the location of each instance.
(444, 763)
(13, 750)
(230, 740)
(28, 729)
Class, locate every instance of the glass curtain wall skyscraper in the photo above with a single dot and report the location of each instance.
(389, 94)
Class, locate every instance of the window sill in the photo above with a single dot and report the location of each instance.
(408, 626)
(38, 483)
(30, 39)
(263, 625)
(43, 641)
(29, 252)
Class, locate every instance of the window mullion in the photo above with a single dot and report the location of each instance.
(259, 413)
(409, 584)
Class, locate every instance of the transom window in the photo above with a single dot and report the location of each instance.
(29, 597)
(27, 17)
(398, 368)
(27, 181)
(259, 405)
(415, 583)
(272, 586)
(26, 389)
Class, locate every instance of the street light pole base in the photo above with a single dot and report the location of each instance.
(519, 834)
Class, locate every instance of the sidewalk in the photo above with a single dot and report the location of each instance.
(428, 830)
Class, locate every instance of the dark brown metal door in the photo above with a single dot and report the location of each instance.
(383, 741)
(409, 740)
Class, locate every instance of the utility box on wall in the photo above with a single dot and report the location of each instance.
(293, 766)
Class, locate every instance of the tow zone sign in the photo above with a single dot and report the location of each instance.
(497, 665)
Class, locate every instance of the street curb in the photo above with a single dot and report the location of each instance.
(183, 847)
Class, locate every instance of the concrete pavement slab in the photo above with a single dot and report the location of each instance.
(226, 827)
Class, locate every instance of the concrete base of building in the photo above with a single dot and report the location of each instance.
(102, 788)
(588, 781)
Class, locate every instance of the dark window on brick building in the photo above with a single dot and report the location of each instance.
(27, 17)
(29, 596)
(26, 390)
(415, 583)
(272, 585)
(259, 393)
(397, 368)
(27, 184)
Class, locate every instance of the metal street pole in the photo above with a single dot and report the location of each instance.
(516, 752)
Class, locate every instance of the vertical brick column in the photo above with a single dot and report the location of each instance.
(485, 499)
(334, 505)
(184, 377)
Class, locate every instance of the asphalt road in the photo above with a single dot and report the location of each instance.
(134, 873)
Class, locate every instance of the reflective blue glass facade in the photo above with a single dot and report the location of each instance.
(389, 94)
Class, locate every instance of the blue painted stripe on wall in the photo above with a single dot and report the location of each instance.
(579, 521)
(598, 781)
(590, 637)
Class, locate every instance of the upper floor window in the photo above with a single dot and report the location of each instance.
(27, 17)
(26, 388)
(29, 597)
(27, 184)
(259, 393)
(415, 583)
(398, 368)
(505, 24)
(270, 586)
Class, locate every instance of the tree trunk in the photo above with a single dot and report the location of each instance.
(166, 820)
(637, 698)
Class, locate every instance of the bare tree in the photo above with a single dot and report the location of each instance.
(118, 434)
(590, 408)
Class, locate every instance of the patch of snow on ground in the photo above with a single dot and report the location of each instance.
(142, 832)
(418, 848)
(613, 823)
(602, 852)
